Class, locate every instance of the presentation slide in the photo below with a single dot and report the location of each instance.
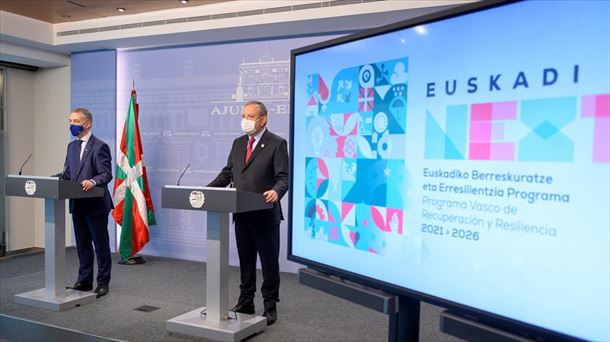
(466, 159)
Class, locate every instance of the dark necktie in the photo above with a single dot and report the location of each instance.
(249, 150)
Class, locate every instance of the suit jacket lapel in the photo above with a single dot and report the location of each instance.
(86, 153)
(239, 154)
(74, 160)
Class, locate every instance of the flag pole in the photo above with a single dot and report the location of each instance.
(134, 259)
(121, 213)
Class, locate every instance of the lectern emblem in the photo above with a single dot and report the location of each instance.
(197, 199)
(30, 187)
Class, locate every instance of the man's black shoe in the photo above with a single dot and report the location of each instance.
(271, 315)
(270, 312)
(81, 287)
(245, 307)
(101, 290)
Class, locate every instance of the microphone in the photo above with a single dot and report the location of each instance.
(25, 162)
(182, 174)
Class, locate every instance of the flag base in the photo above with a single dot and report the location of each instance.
(135, 260)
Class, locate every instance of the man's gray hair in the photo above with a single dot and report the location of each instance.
(86, 113)
(262, 110)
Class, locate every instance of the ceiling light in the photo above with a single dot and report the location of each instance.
(121, 9)
(184, 1)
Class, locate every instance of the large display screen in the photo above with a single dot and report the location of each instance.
(463, 158)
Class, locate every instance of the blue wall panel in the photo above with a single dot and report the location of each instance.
(93, 79)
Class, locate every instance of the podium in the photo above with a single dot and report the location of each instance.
(213, 321)
(54, 296)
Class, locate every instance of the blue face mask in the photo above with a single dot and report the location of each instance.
(76, 129)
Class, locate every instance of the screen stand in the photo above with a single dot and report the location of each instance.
(471, 330)
(404, 324)
(403, 311)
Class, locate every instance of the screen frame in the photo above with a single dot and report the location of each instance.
(515, 326)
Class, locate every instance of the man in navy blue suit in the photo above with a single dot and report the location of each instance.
(88, 162)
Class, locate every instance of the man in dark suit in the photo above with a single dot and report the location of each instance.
(258, 162)
(88, 162)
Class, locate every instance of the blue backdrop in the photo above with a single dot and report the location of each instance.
(93, 80)
(190, 108)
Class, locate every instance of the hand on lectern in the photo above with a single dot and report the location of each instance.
(270, 196)
(87, 185)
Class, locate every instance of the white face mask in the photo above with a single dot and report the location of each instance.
(248, 126)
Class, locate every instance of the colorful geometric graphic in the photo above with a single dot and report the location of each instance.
(546, 118)
(356, 131)
(487, 131)
(448, 143)
(597, 107)
(479, 134)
